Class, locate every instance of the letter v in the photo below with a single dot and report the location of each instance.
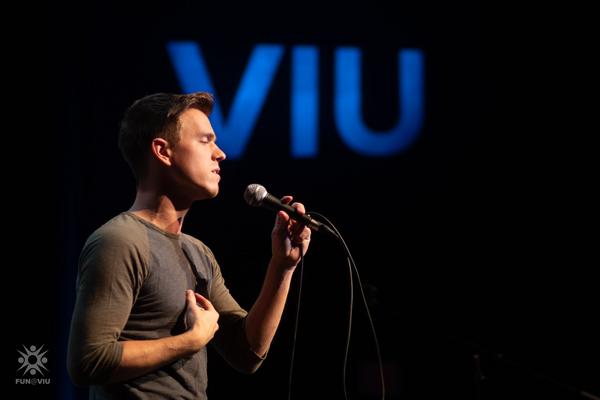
(193, 76)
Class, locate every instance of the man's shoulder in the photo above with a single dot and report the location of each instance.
(121, 241)
(121, 230)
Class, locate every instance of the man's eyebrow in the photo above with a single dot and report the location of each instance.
(211, 136)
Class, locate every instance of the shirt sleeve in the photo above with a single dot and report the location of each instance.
(230, 340)
(111, 271)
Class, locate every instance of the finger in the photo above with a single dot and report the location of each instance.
(203, 302)
(282, 219)
(189, 298)
(305, 234)
(301, 237)
(300, 208)
(298, 228)
(281, 223)
(286, 199)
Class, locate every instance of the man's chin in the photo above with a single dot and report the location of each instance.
(209, 193)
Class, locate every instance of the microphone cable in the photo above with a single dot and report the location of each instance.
(351, 268)
(295, 334)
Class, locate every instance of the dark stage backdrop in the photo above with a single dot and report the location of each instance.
(467, 239)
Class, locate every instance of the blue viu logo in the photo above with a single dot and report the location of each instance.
(235, 130)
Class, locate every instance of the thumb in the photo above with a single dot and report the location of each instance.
(190, 298)
(281, 222)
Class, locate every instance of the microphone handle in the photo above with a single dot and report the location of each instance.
(275, 204)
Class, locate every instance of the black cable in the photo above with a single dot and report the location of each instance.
(362, 292)
(291, 374)
(347, 349)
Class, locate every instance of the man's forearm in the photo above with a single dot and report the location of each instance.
(143, 356)
(264, 316)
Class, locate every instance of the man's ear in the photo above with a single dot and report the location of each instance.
(161, 150)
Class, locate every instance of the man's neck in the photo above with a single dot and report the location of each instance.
(160, 210)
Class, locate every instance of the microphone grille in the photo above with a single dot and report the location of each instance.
(255, 194)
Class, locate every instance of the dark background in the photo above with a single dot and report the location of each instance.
(475, 242)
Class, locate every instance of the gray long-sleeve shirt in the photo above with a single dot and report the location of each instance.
(131, 286)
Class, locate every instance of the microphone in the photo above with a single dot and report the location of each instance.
(257, 196)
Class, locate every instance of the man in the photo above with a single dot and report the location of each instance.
(149, 297)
